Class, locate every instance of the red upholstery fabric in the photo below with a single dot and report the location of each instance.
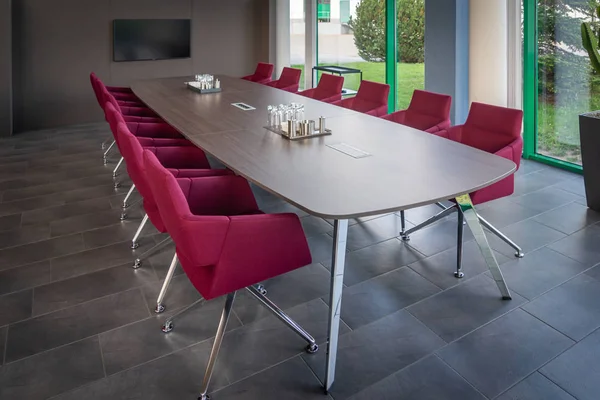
(131, 109)
(427, 111)
(148, 134)
(220, 250)
(120, 93)
(184, 161)
(371, 99)
(495, 130)
(288, 81)
(263, 73)
(329, 89)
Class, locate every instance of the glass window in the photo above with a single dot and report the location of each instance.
(567, 85)
(411, 50)
(297, 37)
(354, 37)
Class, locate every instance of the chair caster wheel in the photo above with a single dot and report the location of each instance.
(519, 254)
(137, 263)
(135, 245)
(117, 185)
(167, 327)
(159, 309)
(312, 348)
(459, 275)
(204, 397)
(261, 289)
(123, 217)
(404, 237)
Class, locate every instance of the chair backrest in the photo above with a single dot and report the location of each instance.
(263, 70)
(370, 96)
(289, 77)
(329, 85)
(490, 128)
(133, 153)
(175, 211)
(427, 109)
(94, 81)
(113, 117)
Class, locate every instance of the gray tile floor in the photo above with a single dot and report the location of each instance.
(76, 320)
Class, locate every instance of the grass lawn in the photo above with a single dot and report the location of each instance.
(410, 77)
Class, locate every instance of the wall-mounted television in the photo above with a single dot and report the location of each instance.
(151, 39)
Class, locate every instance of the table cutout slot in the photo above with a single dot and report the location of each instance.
(349, 150)
(243, 106)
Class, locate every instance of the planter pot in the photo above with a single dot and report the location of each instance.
(589, 133)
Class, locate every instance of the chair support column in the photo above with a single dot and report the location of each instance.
(115, 171)
(107, 151)
(312, 345)
(459, 245)
(149, 252)
(212, 360)
(163, 291)
(134, 241)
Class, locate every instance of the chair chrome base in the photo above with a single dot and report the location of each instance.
(134, 241)
(159, 309)
(138, 261)
(168, 326)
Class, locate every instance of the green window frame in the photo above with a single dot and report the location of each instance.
(530, 90)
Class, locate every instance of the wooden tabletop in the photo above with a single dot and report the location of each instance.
(405, 168)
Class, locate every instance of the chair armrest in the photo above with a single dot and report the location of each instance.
(137, 111)
(122, 96)
(334, 98)
(512, 151)
(260, 247)
(291, 88)
(118, 89)
(442, 126)
(346, 103)
(272, 83)
(219, 195)
(188, 157)
(397, 116)
(264, 81)
(247, 77)
(454, 133)
(150, 130)
(307, 93)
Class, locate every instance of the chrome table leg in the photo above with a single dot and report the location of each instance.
(163, 291)
(466, 206)
(402, 223)
(459, 245)
(445, 212)
(216, 345)
(340, 236)
(519, 252)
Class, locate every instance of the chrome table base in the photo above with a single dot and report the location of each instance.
(340, 236)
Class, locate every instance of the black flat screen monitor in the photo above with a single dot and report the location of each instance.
(150, 39)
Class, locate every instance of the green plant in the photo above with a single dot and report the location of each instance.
(369, 30)
(590, 42)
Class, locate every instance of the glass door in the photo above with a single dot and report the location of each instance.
(559, 75)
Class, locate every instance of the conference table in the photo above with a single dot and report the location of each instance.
(368, 166)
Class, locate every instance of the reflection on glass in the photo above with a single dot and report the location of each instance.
(567, 86)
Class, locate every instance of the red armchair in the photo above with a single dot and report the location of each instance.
(224, 252)
(288, 81)
(371, 99)
(496, 130)
(427, 111)
(122, 94)
(262, 74)
(329, 89)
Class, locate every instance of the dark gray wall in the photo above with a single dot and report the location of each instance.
(57, 43)
(5, 69)
(447, 52)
